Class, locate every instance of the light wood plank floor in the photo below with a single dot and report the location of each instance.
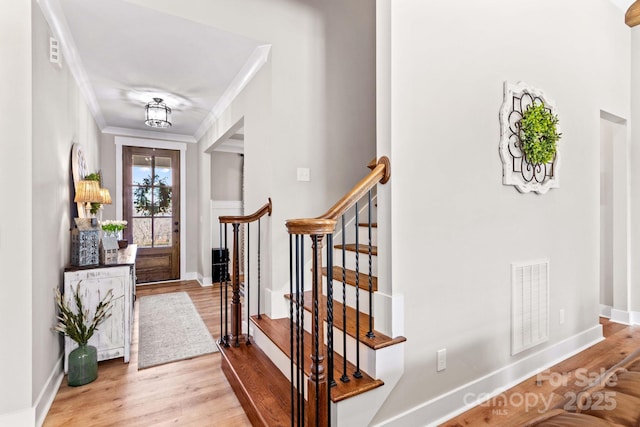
(522, 402)
(192, 392)
(196, 393)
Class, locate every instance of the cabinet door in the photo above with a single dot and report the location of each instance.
(94, 285)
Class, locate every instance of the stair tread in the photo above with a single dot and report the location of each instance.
(278, 331)
(366, 224)
(379, 341)
(363, 249)
(363, 282)
(261, 388)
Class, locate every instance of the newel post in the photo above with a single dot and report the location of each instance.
(318, 397)
(317, 378)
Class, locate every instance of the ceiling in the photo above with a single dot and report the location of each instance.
(123, 55)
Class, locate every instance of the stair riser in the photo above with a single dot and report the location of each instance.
(351, 295)
(363, 236)
(350, 261)
(367, 354)
(277, 356)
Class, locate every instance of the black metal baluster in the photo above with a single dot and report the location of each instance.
(370, 333)
(259, 274)
(226, 291)
(247, 283)
(316, 331)
(332, 382)
(344, 378)
(221, 303)
(301, 308)
(357, 373)
(290, 324)
(297, 298)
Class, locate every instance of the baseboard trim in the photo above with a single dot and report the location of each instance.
(205, 281)
(605, 311)
(451, 404)
(276, 305)
(621, 316)
(192, 275)
(48, 392)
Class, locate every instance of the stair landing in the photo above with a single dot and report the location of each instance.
(261, 388)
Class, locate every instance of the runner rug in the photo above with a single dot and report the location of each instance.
(170, 329)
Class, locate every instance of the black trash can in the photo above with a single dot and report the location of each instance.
(219, 264)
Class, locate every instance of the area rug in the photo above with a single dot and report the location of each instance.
(170, 329)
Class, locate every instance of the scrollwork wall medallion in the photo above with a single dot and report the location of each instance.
(516, 169)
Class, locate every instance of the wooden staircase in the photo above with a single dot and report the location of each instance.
(260, 370)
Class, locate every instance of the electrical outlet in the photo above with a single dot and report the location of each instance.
(442, 360)
(561, 316)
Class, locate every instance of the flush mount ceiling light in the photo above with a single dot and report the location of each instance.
(157, 114)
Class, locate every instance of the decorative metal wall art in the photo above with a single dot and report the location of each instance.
(516, 169)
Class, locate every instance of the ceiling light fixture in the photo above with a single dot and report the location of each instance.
(157, 114)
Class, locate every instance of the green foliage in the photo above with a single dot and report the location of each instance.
(76, 325)
(113, 227)
(538, 134)
(95, 176)
(152, 206)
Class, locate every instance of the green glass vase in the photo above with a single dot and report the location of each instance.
(83, 365)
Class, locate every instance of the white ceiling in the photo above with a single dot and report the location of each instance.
(123, 55)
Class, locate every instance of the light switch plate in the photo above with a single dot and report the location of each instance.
(304, 174)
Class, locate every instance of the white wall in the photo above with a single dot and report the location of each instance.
(456, 228)
(634, 170)
(62, 119)
(317, 105)
(226, 176)
(15, 214)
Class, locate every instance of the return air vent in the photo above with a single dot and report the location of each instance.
(530, 305)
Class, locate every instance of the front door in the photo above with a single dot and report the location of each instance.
(151, 195)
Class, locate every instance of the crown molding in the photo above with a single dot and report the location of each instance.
(112, 130)
(255, 62)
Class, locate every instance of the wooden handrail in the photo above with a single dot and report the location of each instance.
(243, 219)
(632, 17)
(324, 224)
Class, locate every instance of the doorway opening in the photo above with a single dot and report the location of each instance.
(614, 218)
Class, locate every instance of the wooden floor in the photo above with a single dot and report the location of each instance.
(196, 393)
(524, 401)
(192, 392)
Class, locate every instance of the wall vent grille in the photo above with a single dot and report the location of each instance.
(530, 305)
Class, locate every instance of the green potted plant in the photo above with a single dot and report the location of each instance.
(113, 229)
(538, 134)
(79, 326)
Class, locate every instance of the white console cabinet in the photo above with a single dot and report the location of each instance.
(112, 338)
